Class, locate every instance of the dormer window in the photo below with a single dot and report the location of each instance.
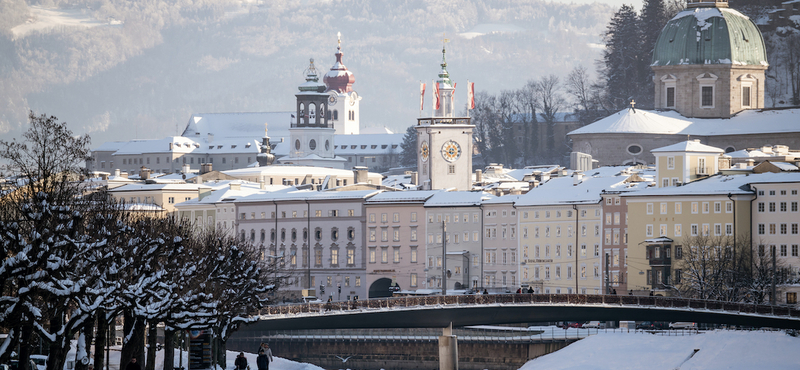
(219, 146)
(374, 147)
(233, 146)
(363, 147)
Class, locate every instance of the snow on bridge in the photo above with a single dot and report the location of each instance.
(464, 310)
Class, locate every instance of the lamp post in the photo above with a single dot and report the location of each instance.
(444, 258)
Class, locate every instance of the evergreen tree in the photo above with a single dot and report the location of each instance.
(622, 58)
(651, 22)
(408, 148)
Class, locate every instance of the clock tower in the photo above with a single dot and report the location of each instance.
(444, 141)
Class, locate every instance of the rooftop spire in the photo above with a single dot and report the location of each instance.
(443, 74)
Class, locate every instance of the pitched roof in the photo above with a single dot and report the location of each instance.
(688, 146)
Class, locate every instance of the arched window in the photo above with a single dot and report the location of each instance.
(318, 234)
(305, 234)
(263, 235)
(283, 234)
(272, 236)
(351, 233)
(294, 234)
(252, 236)
(334, 234)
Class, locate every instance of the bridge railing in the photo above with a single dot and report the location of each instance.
(580, 299)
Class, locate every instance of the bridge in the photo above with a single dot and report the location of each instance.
(492, 309)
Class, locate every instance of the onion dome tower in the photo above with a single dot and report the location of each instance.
(444, 157)
(311, 134)
(709, 62)
(265, 158)
(343, 101)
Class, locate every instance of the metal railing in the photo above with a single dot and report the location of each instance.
(487, 299)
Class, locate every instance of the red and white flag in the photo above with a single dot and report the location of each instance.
(470, 95)
(421, 96)
(453, 96)
(435, 96)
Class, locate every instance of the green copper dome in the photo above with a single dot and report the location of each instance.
(710, 35)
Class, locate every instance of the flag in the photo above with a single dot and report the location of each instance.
(453, 96)
(470, 95)
(421, 96)
(435, 96)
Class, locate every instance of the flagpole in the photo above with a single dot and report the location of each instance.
(468, 101)
(421, 98)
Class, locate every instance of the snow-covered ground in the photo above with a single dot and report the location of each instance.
(278, 364)
(717, 350)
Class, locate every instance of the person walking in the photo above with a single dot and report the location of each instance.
(264, 357)
(133, 365)
(241, 362)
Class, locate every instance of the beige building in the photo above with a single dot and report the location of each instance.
(160, 198)
(663, 223)
(687, 161)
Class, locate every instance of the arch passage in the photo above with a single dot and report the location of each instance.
(380, 288)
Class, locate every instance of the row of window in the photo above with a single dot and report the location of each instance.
(454, 237)
(695, 230)
(372, 254)
(182, 159)
(438, 218)
(557, 231)
(334, 234)
(773, 206)
(395, 217)
(545, 252)
(762, 193)
(567, 213)
(395, 234)
(296, 214)
(544, 272)
(696, 207)
(773, 229)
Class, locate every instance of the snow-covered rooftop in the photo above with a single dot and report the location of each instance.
(457, 199)
(562, 190)
(671, 122)
(308, 195)
(688, 146)
(403, 196)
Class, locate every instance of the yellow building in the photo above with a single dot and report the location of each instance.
(158, 198)
(687, 161)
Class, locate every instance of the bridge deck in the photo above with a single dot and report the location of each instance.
(462, 310)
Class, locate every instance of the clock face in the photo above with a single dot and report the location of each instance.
(332, 99)
(424, 151)
(451, 151)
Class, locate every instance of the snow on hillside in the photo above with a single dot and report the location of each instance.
(715, 350)
(45, 19)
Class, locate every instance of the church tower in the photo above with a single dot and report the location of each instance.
(709, 62)
(311, 134)
(444, 141)
(343, 101)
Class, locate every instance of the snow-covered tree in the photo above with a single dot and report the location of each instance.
(408, 148)
(622, 58)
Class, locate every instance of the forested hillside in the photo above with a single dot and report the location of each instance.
(138, 69)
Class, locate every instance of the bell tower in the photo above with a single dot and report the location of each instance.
(444, 158)
(311, 132)
(343, 101)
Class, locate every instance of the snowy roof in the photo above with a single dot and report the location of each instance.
(376, 130)
(288, 170)
(714, 185)
(562, 190)
(502, 200)
(308, 195)
(688, 146)
(223, 191)
(165, 187)
(110, 146)
(457, 198)
(249, 125)
(403, 196)
(180, 144)
(671, 122)
(367, 143)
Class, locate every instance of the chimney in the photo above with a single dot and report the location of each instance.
(124, 175)
(185, 168)
(210, 138)
(236, 186)
(116, 173)
(104, 176)
(263, 185)
(750, 162)
(414, 177)
(478, 176)
(144, 173)
(360, 173)
(577, 178)
(205, 168)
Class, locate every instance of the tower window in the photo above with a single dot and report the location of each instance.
(335, 114)
(670, 97)
(451, 169)
(707, 99)
(745, 96)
